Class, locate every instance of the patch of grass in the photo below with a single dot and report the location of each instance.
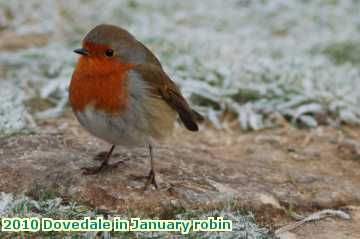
(17, 133)
(39, 193)
(344, 52)
(38, 104)
(171, 212)
(244, 225)
(133, 4)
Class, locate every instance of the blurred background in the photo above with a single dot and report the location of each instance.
(277, 79)
(255, 61)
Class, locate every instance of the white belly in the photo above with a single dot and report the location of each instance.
(136, 127)
(124, 130)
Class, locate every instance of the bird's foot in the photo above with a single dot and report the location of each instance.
(98, 169)
(100, 156)
(151, 180)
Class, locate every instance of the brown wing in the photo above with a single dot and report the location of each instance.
(163, 87)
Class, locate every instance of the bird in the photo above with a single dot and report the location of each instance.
(120, 93)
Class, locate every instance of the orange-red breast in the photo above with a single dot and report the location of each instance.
(120, 93)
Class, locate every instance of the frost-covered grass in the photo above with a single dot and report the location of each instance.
(13, 115)
(255, 59)
(244, 226)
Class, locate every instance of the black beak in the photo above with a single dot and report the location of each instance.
(81, 51)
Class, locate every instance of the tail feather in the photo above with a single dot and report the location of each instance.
(190, 119)
(198, 117)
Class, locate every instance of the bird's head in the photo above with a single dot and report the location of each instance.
(107, 47)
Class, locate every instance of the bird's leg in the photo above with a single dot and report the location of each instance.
(151, 176)
(101, 155)
(104, 163)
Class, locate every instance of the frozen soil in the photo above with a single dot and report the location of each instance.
(273, 173)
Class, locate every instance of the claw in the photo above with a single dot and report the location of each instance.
(91, 170)
(95, 170)
(100, 156)
(151, 180)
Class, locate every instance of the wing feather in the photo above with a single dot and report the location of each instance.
(162, 86)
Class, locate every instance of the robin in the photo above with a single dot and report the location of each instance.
(120, 93)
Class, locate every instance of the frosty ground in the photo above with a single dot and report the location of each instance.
(255, 59)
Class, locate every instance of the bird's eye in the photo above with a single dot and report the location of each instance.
(109, 52)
